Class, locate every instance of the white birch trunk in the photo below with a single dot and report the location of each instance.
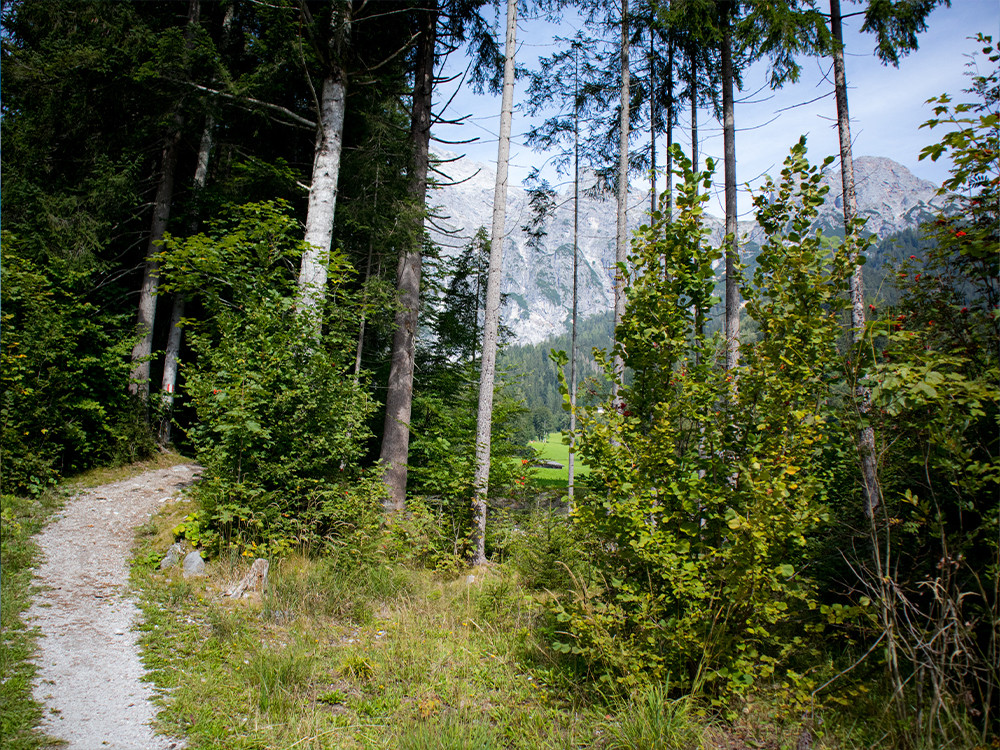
(322, 198)
(491, 320)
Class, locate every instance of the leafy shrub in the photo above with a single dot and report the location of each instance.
(708, 485)
(280, 425)
(937, 402)
(64, 374)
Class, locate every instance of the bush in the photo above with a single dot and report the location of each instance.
(707, 484)
(280, 425)
(64, 374)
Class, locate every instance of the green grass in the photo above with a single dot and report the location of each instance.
(342, 655)
(553, 449)
(20, 519)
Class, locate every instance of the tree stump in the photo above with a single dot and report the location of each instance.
(253, 581)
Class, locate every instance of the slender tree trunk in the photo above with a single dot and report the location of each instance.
(323, 195)
(361, 326)
(621, 242)
(652, 122)
(866, 436)
(669, 189)
(399, 395)
(694, 109)
(576, 251)
(491, 320)
(143, 349)
(732, 240)
(171, 358)
(146, 319)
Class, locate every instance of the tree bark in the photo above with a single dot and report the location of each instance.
(621, 242)
(399, 395)
(146, 319)
(491, 320)
(143, 349)
(323, 196)
(866, 435)
(570, 461)
(171, 358)
(732, 241)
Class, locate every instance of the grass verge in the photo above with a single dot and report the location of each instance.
(336, 655)
(20, 519)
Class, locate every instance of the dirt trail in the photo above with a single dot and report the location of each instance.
(88, 658)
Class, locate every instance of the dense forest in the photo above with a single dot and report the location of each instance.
(215, 240)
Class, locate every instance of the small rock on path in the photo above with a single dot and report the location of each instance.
(89, 669)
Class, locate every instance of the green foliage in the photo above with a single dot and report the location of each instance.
(64, 376)
(443, 454)
(280, 427)
(708, 486)
(937, 401)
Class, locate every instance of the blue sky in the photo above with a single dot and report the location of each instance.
(887, 104)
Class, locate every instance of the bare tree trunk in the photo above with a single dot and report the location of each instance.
(323, 190)
(171, 358)
(491, 320)
(669, 189)
(399, 395)
(866, 436)
(143, 349)
(732, 241)
(621, 242)
(694, 109)
(652, 122)
(576, 251)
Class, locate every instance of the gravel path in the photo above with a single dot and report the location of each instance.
(89, 670)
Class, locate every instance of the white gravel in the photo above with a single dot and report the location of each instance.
(89, 670)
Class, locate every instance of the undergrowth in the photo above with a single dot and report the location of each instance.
(346, 653)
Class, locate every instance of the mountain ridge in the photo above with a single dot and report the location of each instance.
(537, 280)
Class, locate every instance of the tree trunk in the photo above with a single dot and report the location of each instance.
(143, 349)
(491, 320)
(732, 241)
(652, 121)
(570, 467)
(168, 384)
(621, 242)
(399, 395)
(694, 109)
(866, 436)
(322, 197)
(669, 188)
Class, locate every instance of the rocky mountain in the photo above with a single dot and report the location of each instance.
(538, 280)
